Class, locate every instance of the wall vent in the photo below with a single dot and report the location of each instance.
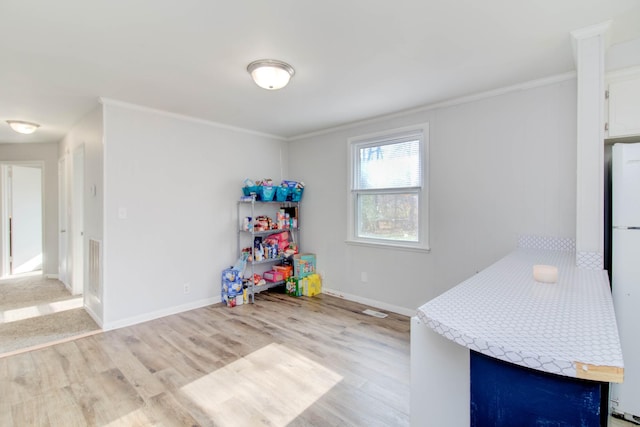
(95, 268)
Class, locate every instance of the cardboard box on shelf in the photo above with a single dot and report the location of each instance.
(286, 270)
(304, 264)
(293, 287)
(231, 286)
(311, 285)
(273, 276)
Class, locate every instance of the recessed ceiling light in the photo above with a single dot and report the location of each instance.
(23, 127)
(270, 74)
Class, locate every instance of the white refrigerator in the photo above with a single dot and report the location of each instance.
(625, 274)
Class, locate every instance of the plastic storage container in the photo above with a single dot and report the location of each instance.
(267, 193)
(295, 194)
(247, 191)
(282, 193)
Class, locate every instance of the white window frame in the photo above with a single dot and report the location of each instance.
(421, 132)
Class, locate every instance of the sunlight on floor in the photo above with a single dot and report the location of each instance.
(274, 384)
(135, 418)
(33, 264)
(40, 310)
(21, 275)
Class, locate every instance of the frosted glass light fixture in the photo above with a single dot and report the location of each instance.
(23, 127)
(270, 74)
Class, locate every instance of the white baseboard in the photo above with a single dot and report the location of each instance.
(51, 276)
(209, 301)
(373, 303)
(160, 313)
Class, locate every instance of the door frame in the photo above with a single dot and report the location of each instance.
(77, 220)
(5, 213)
(63, 222)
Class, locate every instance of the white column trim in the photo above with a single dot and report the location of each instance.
(589, 48)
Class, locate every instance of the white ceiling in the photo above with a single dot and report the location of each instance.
(354, 59)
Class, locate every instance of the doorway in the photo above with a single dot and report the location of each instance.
(71, 258)
(63, 224)
(77, 226)
(22, 218)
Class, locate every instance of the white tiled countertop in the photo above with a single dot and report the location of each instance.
(566, 328)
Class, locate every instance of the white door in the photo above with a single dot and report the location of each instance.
(626, 300)
(63, 224)
(625, 181)
(25, 221)
(625, 268)
(77, 216)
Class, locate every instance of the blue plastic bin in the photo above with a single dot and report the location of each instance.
(282, 193)
(248, 190)
(296, 194)
(267, 193)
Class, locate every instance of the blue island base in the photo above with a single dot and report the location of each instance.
(504, 394)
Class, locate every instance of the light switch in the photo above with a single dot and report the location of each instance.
(122, 213)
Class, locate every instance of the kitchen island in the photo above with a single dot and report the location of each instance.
(565, 331)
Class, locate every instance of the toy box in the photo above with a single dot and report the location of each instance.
(293, 287)
(304, 265)
(311, 285)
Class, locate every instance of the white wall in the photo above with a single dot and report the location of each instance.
(88, 132)
(499, 167)
(178, 180)
(46, 153)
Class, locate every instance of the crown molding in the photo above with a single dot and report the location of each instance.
(136, 107)
(446, 103)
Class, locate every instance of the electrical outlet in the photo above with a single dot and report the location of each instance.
(363, 277)
(187, 287)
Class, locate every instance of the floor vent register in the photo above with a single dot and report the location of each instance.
(375, 313)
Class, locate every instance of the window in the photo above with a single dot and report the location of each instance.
(389, 201)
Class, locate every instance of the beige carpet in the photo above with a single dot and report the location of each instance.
(35, 311)
(30, 290)
(40, 330)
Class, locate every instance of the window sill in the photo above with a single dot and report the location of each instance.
(389, 246)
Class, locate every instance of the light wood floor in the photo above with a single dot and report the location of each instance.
(280, 362)
(615, 422)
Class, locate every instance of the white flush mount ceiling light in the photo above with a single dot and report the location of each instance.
(270, 74)
(23, 127)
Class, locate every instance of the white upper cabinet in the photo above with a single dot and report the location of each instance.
(624, 105)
